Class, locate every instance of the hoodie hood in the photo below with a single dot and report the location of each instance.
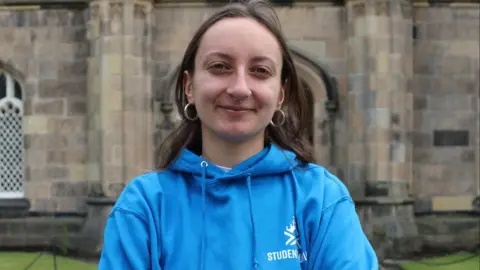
(271, 160)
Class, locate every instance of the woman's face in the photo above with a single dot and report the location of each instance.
(236, 84)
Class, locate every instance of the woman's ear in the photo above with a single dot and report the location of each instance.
(187, 86)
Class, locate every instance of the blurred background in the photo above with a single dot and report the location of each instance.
(86, 93)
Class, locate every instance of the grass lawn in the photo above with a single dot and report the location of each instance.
(20, 260)
(461, 263)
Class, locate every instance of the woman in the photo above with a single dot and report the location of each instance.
(236, 186)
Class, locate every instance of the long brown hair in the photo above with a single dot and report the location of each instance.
(291, 135)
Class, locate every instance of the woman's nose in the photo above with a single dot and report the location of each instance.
(239, 88)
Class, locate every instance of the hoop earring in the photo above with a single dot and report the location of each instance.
(185, 113)
(283, 118)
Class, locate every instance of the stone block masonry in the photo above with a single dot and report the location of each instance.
(41, 232)
(379, 99)
(119, 92)
(379, 60)
(446, 108)
(46, 51)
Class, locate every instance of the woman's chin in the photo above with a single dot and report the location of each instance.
(237, 134)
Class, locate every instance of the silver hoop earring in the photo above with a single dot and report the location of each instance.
(187, 116)
(282, 119)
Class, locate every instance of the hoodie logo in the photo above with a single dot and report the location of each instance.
(290, 252)
(292, 234)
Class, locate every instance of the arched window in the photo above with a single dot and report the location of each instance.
(11, 137)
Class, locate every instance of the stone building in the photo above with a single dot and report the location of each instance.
(86, 94)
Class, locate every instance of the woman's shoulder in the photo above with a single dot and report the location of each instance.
(316, 180)
(153, 180)
(144, 189)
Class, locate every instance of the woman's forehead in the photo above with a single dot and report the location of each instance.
(240, 37)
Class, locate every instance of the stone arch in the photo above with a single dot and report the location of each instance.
(14, 72)
(12, 150)
(323, 88)
(315, 74)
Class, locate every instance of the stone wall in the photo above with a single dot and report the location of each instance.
(120, 129)
(41, 233)
(46, 50)
(449, 232)
(446, 108)
(319, 32)
(379, 119)
(379, 100)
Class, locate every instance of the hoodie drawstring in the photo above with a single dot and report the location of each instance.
(252, 220)
(204, 165)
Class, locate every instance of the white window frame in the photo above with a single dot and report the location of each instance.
(10, 98)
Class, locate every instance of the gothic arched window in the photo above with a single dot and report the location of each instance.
(11, 137)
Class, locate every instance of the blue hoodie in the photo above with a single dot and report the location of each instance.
(268, 212)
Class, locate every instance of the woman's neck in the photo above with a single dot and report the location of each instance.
(228, 154)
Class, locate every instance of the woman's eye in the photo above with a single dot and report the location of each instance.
(260, 71)
(219, 66)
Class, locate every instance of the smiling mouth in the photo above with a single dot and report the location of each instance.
(236, 109)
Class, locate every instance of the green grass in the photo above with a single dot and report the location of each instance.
(461, 263)
(20, 260)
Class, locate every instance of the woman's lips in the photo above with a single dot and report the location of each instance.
(235, 110)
